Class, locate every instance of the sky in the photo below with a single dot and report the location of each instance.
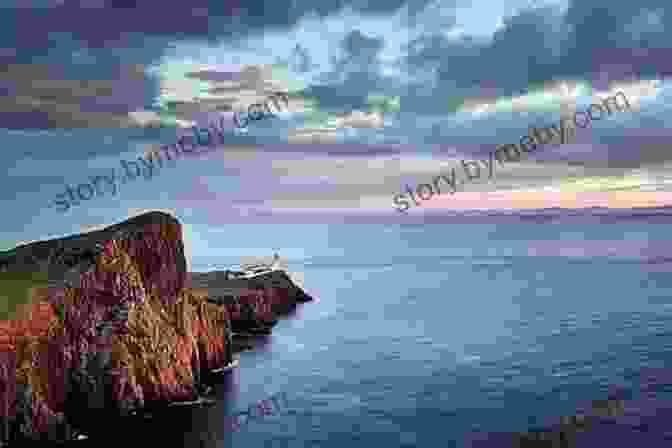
(383, 94)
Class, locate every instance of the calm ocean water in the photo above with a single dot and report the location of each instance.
(422, 334)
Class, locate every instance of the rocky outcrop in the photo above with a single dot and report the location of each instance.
(269, 294)
(116, 330)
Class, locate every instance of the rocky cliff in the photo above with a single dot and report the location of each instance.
(252, 303)
(117, 328)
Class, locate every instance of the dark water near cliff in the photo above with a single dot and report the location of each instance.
(424, 333)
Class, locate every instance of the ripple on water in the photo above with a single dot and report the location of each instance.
(470, 359)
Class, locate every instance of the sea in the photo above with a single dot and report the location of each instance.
(432, 334)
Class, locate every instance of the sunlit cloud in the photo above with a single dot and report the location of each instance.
(551, 97)
(359, 119)
(547, 98)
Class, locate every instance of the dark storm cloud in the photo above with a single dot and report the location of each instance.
(91, 39)
(96, 21)
(354, 76)
(37, 96)
(523, 51)
(600, 41)
(629, 63)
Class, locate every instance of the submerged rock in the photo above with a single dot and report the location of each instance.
(637, 422)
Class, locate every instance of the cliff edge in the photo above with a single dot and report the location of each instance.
(114, 328)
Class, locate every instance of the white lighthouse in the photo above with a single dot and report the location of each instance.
(567, 111)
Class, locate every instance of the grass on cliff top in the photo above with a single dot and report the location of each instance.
(15, 290)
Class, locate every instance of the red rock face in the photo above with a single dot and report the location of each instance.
(7, 383)
(119, 331)
(267, 295)
(127, 334)
(260, 301)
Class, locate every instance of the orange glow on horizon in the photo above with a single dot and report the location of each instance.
(539, 199)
